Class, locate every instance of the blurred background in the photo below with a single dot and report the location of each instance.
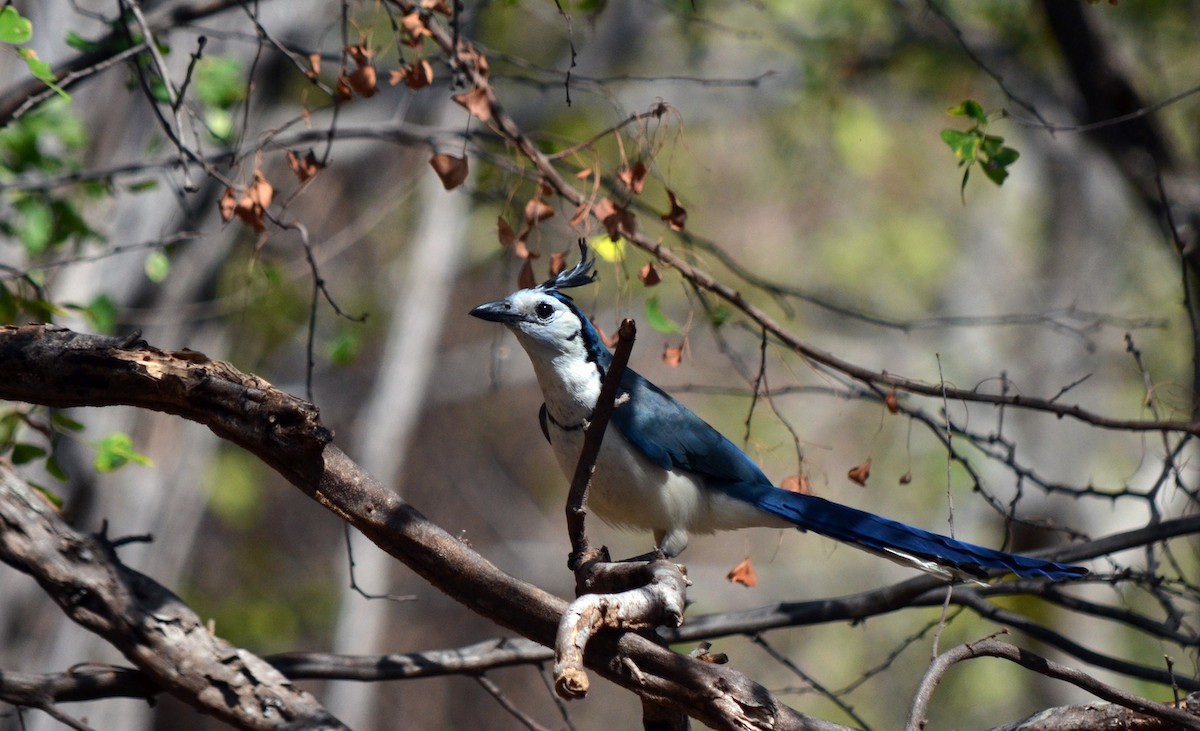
(804, 140)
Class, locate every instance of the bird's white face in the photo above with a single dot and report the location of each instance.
(544, 324)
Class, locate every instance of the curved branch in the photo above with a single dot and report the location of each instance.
(152, 627)
(57, 367)
(1177, 718)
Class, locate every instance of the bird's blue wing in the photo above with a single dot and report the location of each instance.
(673, 437)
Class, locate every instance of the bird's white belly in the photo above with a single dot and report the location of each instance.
(630, 491)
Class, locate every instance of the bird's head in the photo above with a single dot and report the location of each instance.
(544, 319)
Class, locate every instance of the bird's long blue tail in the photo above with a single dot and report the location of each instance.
(929, 551)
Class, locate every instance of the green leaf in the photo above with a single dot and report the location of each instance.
(23, 453)
(219, 81)
(36, 227)
(344, 348)
(991, 144)
(115, 451)
(14, 28)
(969, 108)
(42, 70)
(102, 312)
(158, 266)
(995, 173)
(81, 44)
(965, 145)
(55, 470)
(8, 305)
(658, 320)
(62, 421)
(1005, 156)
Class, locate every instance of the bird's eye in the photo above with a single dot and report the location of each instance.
(543, 310)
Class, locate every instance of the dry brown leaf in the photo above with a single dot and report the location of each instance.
(363, 81)
(227, 204)
(649, 274)
(558, 263)
(676, 218)
(620, 222)
(906, 478)
(420, 76)
(743, 574)
(437, 6)
(451, 170)
(861, 473)
(537, 210)
(476, 102)
(797, 483)
(508, 237)
(604, 209)
(673, 355)
(525, 278)
(361, 54)
(413, 27)
(892, 403)
(305, 167)
(634, 177)
(521, 249)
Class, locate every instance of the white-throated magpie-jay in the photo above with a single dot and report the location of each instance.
(665, 469)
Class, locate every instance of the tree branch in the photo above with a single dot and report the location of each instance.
(57, 367)
(1178, 718)
(152, 627)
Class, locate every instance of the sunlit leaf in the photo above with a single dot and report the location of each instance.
(115, 451)
(964, 144)
(158, 266)
(969, 108)
(13, 27)
(608, 248)
(743, 574)
(861, 473)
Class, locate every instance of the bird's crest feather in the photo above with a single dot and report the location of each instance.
(583, 273)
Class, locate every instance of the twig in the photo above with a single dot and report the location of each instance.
(1049, 668)
(593, 435)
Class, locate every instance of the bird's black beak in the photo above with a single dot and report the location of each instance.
(499, 311)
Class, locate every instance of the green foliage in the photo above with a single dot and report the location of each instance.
(975, 146)
(115, 451)
(101, 312)
(219, 83)
(47, 141)
(344, 348)
(235, 495)
(15, 30)
(658, 319)
(158, 266)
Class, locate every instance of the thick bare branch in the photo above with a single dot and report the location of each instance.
(58, 367)
(152, 627)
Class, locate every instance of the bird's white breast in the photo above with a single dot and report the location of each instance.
(630, 491)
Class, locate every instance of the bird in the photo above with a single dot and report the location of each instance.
(664, 469)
